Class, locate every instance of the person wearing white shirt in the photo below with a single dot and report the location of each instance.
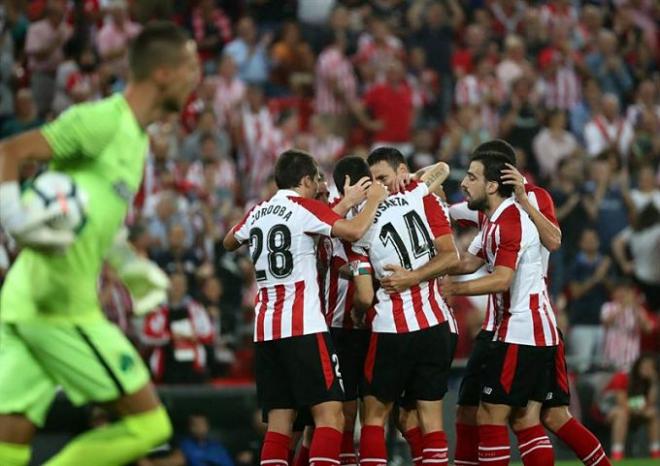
(608, 129)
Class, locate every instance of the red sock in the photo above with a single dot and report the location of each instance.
(415, 441)
(435, 450)
(467, 445)
(275, 449)
(324, 450)
(585, 445)
(302, 458)
(372, 446)
(535, 447)
(347, 456)
(494, 449)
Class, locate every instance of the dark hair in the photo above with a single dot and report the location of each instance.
(391, 155)
(292, 166)
(637, 385)
(353, 166)
(493, 165)
(158, 44)
(497, 148)
(648, 217)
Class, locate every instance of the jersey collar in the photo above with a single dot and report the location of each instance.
(506, 203)
(286, 193)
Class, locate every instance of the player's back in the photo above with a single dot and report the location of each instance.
(102, 147)
(283, 249)
(402, 234)
(524, 313)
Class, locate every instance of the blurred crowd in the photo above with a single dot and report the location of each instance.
(573, 85)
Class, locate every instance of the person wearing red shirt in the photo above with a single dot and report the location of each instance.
(391, 104)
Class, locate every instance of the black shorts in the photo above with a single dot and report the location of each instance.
(413, 366)
(407, 402)
(469, 392)
(297, 372)
(351, 347)
(558, 392)
(515, 374)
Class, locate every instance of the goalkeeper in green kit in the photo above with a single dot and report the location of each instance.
(52, 330)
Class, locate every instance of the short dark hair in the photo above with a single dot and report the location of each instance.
(493, 165)
(352, 166)
(158, 44)
(391, 155)
(292, 166)
(497, 148)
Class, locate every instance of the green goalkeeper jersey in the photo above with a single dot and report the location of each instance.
(103, 148)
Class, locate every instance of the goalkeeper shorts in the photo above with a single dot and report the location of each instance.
(92, 362)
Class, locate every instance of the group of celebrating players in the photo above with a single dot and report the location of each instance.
(352, 305)
(373, 265)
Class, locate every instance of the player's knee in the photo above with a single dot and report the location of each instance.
(554, 418)
(329, 415)
(466, 415)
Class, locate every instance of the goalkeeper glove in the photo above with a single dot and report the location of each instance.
(29, 226)
(145, 281)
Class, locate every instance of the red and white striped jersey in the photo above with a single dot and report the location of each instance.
(283, 249)
(402, 234)
(524, 314)
(623, 335)
(538, 197)
(337, 292)
(334, 70)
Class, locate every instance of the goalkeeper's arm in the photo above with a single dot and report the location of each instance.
(145, 281)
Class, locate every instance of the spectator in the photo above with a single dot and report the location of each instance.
(114, 37)
(116, 303)
(391, 104)
(79, 83)
(624, 319)
(608, 68)
(7, 51)
(335, 85)
(645, 146)
(291, 57)
(521, 119)
(170, 210)
(586, 109)
(514, 65)
(560, 85)
(588, 287)
(642, 242)
(326, 147)
(199, 448)
(646, 99)
(212, 30)
(442, 20)
(249, 53)
(377, 48)
(177, 258)
(229, 91)
(44, 48)
(608, 129)
(207, 126)
(508, 15)
(181, 336)
(464, 133)
(632, 397)
(607, 198)
(648, 189)
(463, 58)
(26, 116)
(591, 23)
(553, 143)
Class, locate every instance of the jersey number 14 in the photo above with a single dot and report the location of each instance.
(420, 240)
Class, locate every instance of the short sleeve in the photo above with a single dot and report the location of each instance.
(316, 217)
(358, 258)
(510, 239)
(81, 131)
(437, 216)
(464, 216)
(241, 230)
(475, 246)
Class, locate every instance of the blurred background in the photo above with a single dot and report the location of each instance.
(573, 86)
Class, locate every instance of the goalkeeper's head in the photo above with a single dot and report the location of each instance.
(164, 58)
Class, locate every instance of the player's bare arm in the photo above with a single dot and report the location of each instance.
(353, 195)
(447, 258)
(549, 233)
(353, 229)
(496, 282)
(363, 296)
(230, 243)
(434, 176)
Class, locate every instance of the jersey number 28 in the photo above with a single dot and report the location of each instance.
(278, 242)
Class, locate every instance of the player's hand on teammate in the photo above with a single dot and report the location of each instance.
(399, 280)
(512, 176)
(447, 287)
(356, 193)
(29, 226)
(403, 180)
(377, 191)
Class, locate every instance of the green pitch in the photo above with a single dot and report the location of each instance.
(636, 462)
